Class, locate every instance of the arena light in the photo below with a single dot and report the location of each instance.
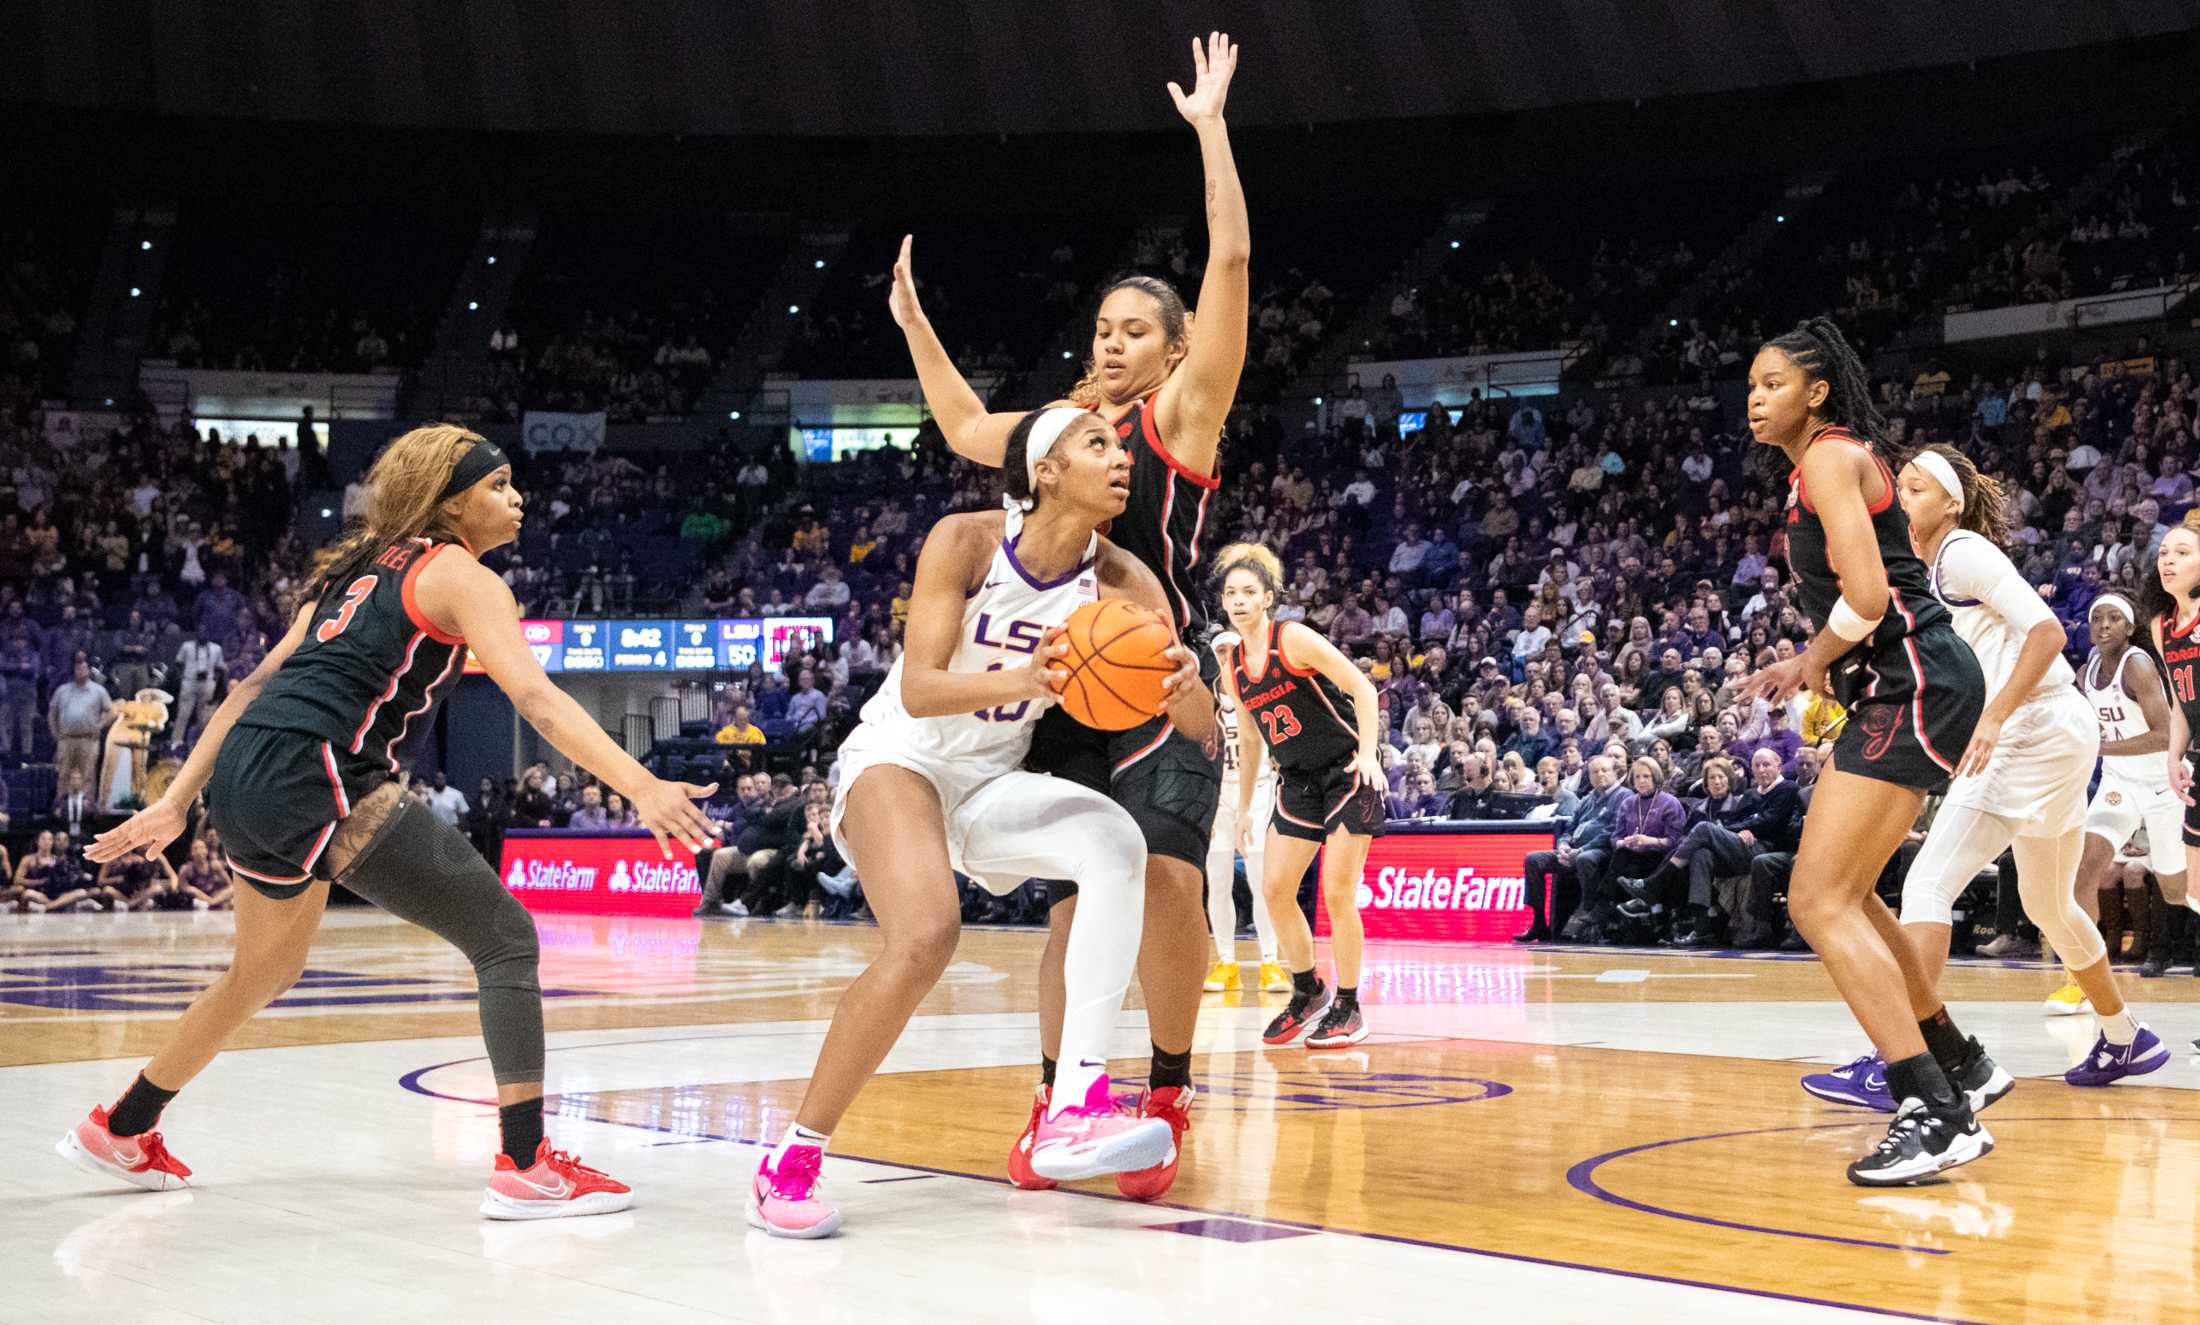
(1317, 400)
(1066, 354)
(793, 309)
(135, 292)
(1455, 243)
(819, 264)
(1672, 321)
(472, 306)
(1781, 219)
(492, 259)
(734, 414)
(145, 246)
(326, 512)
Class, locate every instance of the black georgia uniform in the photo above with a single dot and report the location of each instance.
(1169, 785)
(325, 730)
(1311, 730)
(1914, 690)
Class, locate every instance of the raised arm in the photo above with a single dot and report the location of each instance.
(1195, 402)
(973, 432)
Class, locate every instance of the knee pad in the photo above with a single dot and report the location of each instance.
(1963, 841)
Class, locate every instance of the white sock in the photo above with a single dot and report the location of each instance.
(1073, 1080)
(797, 1135)
(2122, 1028)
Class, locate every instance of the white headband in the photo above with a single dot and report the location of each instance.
(2119, 602)
(1043, 435)
(1943, 473)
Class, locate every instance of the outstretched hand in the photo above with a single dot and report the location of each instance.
(150, 829)
(1213, 62)
(901, 300)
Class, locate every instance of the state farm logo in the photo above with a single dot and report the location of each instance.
(652, 876)
(537, 632)
(550, 876)
(1461, 889)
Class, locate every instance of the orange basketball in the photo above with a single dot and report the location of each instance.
(1116, 662)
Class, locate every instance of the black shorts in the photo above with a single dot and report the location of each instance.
(276, 798)
(1313, 803)
(1916, 704)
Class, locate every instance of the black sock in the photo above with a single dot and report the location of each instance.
(1170, 1069)
(139, 1108)
(1305, 984)
(1950, 1047)
(522, 1123)
(1921, 1078)
(1046, 1071)
(1348, 997)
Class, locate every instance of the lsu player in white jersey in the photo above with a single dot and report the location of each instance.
(931, 784)
(1222, 858)
(2126, 690)
(2021, 785)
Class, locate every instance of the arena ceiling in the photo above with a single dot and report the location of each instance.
(790, 68)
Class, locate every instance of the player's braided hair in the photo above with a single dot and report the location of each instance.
(1174, 317)
(1824, 354)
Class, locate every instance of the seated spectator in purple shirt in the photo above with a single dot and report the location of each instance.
(1776, 735)
(591, 812)
(215, 613)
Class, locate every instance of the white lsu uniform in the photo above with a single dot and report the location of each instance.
(2044, 759)
(2134, 790)
(1004, 825)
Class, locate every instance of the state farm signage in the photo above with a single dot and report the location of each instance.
(1446, 887)
(587, 874)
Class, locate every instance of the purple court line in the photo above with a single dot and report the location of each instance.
(411, 1082)
(907, 1177)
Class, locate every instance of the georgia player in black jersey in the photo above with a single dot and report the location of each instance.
(1166, 383)
(297, 764)
(1315, 712)
(1914, 692)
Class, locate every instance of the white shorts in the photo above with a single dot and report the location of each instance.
(1002, 827)
(2040, 767)
(2120, 808)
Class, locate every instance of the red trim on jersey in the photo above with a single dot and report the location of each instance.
(1152, 433)
(412, 608)
(1917, 696)
(1167, 729)
(359, 737)
(1276, 633)
(1168, 557)
(335, 781)
(2170, 628)
(1840, 434)
(320, 844)
(427, 700)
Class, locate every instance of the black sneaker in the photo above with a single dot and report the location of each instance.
(1301, 1012)
(2153, 968)
(1340, 1026)
(1920, 1144)
(1981, 1079)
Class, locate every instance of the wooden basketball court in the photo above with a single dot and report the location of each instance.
(1528, 1135)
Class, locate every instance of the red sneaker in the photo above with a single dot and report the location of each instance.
(555, 1186)
(1020, 1172)
(1173, 1105)
(141, 1161)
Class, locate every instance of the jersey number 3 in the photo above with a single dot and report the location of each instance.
(353, 596)
(2180, 680)
(1282, 725)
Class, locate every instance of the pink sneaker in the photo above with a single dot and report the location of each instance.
(141, 1161)
(555, 1186)
(1097, 1137)
(784, 1201)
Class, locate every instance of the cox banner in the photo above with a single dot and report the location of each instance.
(542, 430)
(558, 872)
(1454, 885)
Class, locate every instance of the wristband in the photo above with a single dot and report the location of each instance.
(1845, 622)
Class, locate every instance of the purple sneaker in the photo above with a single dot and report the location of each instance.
(1862, 1083)
(2110, 1063)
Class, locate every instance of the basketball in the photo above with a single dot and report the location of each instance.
(1117, 660)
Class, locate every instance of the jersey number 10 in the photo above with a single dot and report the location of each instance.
(1006, 712)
